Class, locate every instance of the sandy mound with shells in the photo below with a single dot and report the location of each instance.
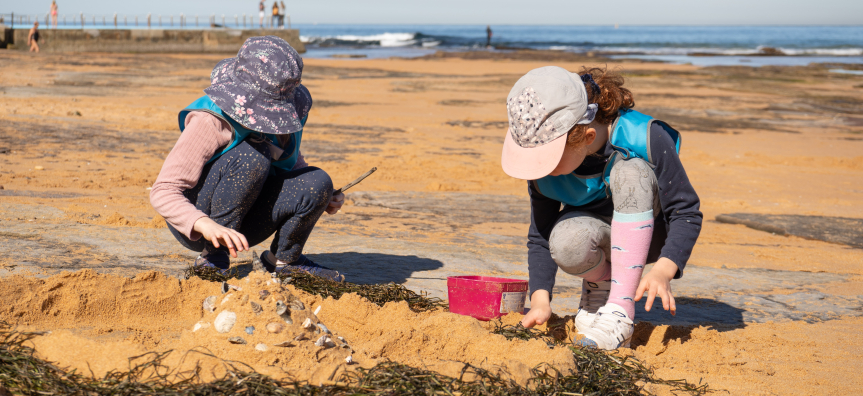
(98, 322)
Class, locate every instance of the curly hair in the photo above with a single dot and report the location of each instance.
(612, 97)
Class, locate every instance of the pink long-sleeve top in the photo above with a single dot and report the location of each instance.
(204, 136)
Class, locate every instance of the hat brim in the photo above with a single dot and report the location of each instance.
(269, 116)
(531, 163)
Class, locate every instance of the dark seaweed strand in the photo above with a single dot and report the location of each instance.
(598, 372)
(379, 294)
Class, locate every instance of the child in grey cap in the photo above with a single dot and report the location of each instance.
(608, 195)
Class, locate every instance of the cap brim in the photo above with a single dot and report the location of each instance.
(531, 163)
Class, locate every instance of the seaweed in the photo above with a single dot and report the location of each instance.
(379, 294)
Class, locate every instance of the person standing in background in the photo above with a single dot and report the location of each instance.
(282, 16)
(488, 36)
(54, 13)
(261, 8)
(275, 22)
(33, 37)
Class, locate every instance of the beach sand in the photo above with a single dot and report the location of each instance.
(84, 135)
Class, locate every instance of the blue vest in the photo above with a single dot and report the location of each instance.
(630, 138)
(285, 162)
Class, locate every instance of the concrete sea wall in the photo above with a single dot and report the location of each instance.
(149, 40)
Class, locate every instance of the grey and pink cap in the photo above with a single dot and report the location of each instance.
(542, 107)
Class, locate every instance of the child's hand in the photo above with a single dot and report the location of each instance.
(219, 235)
(336, 203)
(540, 309)
(658, 282)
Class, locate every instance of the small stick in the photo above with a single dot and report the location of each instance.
(355, 182)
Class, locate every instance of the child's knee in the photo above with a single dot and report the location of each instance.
(576, 244)
(319, 185)
(633, 186)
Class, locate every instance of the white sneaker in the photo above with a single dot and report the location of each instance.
(611, 329)
(593, 296)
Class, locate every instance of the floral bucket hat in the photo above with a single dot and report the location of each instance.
(260, 88)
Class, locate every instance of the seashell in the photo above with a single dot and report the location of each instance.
(257, 265)
(307, 324)
(261, 347)
(250, 330)
(328, 342)
(256, 308)
(324, 328)
(264, 293)
(237, 340)
(321, 341)
(244, 299)
(210, 304)
(340, 338)
(317, 310)
(297, 305)
(225, 321)
(199, 326)
(39, 167)
(227, 297)
(275, 327)
(281, 308)
(225, 287)
(349, 359)
(237, 288)
(284, 344)
(269, 282)
(287, 318)
(300, 337)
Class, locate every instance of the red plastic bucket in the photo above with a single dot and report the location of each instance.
(485, 297)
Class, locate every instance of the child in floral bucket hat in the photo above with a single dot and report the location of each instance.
(608, 194)
(236, 175)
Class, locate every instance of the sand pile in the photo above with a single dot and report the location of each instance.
(98, 322)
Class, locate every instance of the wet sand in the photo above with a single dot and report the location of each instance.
(771, 140)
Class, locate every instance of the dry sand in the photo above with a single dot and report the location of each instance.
(770, 140)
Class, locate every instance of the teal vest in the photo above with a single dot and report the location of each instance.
(630, 137)
(285, 162)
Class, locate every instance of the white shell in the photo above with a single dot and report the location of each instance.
(227, 297)
(321, 341)
(307, 324)
(324, 328)
(329, 342)
(210, 304)
(261, 347)
(300, 337)
(317, 310)
(200, 325)
(349, 359)
(225, 321)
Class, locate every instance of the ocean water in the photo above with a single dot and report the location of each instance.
(703, 45)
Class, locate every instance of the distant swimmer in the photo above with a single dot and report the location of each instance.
(488, 35)
(33, 38)
(54, 13)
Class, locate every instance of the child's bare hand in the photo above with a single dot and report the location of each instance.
(336, 203)
(219, 235)
(540, 309)
(658, 282)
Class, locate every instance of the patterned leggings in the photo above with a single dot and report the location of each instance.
(237, 191)
(581, 241)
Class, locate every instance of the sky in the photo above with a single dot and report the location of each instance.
(495, 12)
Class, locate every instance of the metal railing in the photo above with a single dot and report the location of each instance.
(149, 21)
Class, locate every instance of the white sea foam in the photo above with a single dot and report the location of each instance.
(384, 39)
